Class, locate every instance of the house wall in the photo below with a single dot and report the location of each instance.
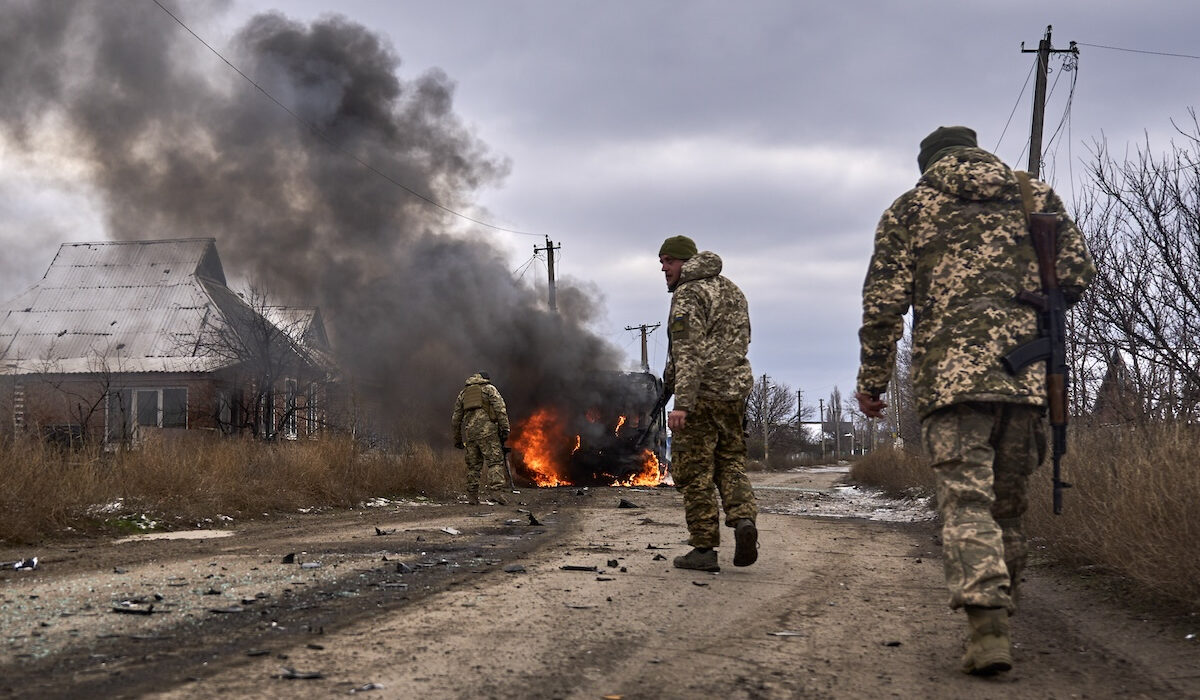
(106, 407)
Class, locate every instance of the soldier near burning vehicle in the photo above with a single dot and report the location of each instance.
(707, 370)
(480, 426)
(956, 250)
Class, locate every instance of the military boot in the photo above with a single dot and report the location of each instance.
(701, 559)
(745, 537)
(989, 650)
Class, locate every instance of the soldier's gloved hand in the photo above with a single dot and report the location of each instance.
(503, 436)
(459, 444)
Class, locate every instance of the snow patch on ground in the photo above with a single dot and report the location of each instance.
(177, 535)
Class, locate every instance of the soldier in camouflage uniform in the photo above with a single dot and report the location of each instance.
(480, 426)
(707, 369)
(956, 250)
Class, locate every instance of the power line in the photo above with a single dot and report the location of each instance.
(324, 137)
(1154, 53)
(1016, 104)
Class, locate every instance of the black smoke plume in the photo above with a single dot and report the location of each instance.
(176, 144)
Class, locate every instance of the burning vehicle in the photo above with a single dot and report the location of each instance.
(618, 439)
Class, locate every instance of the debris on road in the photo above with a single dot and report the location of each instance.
(451, 531)
(514, 569)
(293, 674)
(578, 567)
(627, 504)
(384, 532)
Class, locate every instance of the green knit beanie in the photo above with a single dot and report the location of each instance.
(678, 247)
(942, 138)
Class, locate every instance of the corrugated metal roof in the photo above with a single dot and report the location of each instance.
(134, 304)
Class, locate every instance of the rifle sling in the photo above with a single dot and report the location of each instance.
(1026, 193)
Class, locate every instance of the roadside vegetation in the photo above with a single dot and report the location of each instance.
(45, 490)
(1132, 511)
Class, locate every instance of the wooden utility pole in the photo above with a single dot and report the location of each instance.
(550, 248)
(1044, 49)
(646, 330)
(821, 403)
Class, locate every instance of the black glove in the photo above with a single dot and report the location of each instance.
(503, 436)
(459, 444)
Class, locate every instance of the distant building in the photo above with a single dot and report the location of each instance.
(123, 339)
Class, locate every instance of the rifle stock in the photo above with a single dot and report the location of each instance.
(1051, 344)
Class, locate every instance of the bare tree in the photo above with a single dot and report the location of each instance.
(269, 368)
(769, 410)
(1142, 221)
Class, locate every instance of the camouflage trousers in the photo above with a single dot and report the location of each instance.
(983, 454)
(709, 457)
(485, 465)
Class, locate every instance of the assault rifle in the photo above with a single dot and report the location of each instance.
(654, 415)
(1051, 343)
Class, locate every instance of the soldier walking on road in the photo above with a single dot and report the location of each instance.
(707, 369)
(480, 426)
(956, 250)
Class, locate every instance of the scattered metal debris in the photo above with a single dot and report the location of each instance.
(514, 569)
(533, 520)
(227, 610)
(384, 532)
(21, 564)
(578, 567)
(364, 688)
(785, 633)
(293, 674)
(451, 531)
(613, 563)
(659, 557)
(627, 504)
(288, 558)
(402, 568)
(311, 565)
(130, 607)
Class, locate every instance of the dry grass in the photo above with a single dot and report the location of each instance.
(896, 472)
(1133, 511)
(44, 490)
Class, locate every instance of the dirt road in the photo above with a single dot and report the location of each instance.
(459, 601)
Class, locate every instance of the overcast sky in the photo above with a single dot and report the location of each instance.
(773, 133)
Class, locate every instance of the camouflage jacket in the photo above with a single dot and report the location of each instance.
(956, 249)
(467, 424)
(709, 331)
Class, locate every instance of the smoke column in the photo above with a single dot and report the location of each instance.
(176, 145)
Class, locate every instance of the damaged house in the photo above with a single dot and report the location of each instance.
(123, 340)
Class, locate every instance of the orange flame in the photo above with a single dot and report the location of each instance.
(650, 475)
(536, 439)
(620, 422)
(545, 448)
